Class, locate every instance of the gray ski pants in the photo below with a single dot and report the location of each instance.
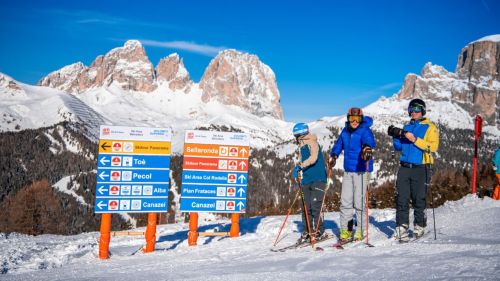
(313, 197)
(352, 197)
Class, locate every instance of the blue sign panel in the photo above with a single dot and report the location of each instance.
(236, 178)
(133, 170)
(215, 172)
(133, 161)
(131, 204)
(221, 205)
(211, 191)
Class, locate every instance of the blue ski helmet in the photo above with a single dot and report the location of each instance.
(300, 129)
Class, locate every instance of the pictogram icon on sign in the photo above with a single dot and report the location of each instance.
(115, 175)
(222, 164)
(117, 147)
(116, 161)
(113, 204)
(114, 190)
(231, 191)
(231, 178)
(128, 147)
(233, 151)
(230, 205)
(233, 165)
(223, 151)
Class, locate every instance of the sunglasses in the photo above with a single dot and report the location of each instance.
(352, 118)
(416, 109)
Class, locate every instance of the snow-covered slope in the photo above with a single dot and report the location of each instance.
(467, 248)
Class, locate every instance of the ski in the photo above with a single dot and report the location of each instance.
(301, 245)
(350, 244)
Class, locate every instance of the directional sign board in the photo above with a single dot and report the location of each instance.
(215, 172)
(133, 169)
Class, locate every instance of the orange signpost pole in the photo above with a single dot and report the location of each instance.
(193, 229)
(105, 236)
(235, 225)
(150, 233)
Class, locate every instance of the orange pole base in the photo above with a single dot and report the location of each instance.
(235, 225)
(105, 236)
(193, 229)
(150, 233)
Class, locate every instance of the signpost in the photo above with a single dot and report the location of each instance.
(478, 127)
(215, 176)
(132, 176)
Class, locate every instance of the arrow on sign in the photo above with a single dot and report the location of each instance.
(243, 151)
(240, 205)
(102, 189)
(242, 178)
(104, 161)
(242, 165)
(104, 146)
(101, 204)
(241, 191)
(103, 175)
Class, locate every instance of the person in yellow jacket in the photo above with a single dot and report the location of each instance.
(417, 140)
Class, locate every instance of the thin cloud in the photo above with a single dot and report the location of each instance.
(202, 49)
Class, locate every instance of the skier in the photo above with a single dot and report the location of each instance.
(496, 163)
(310, 174)
(417, 140)
(357, 142)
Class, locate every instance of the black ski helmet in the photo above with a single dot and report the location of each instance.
(417, 102)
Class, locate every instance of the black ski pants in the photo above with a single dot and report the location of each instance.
(411, 184)
(313, 197)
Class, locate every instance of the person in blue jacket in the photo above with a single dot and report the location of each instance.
(310, 173)
(417, 140)
(357, 142)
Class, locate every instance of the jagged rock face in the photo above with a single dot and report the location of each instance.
(475, 85)
(235, 78)
(171, 70)
(65, 78)
(479, 62)
(127, 65)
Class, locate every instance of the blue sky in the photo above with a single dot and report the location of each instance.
(327, 55)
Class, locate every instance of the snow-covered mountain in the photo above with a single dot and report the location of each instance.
(466, 248)
(237, 90)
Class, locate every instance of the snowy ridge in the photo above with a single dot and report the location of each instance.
(460, 251)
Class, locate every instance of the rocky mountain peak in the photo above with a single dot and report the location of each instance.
(128, 66)
(241, 79)
(479, 61)
(171, 70)
(475, 84)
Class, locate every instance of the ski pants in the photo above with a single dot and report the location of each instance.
(411, 184)
(352, 198)
(313, 194)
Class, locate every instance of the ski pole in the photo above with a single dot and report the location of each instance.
(366, 203)
(286, 218)
(322, 205)
(428, 178)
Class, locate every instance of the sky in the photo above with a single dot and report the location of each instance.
(327, 55)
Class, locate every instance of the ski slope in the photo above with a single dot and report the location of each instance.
(467, 248)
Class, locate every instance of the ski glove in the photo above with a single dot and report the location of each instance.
(366, 153)
(332, 161)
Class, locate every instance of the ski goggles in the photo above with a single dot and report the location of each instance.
(416, 108)
(352, 118)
